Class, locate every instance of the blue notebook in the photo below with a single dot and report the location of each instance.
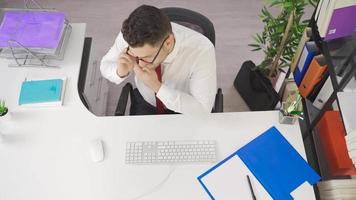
(41, 91)
(274, 163)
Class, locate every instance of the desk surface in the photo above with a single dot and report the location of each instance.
(46, 154)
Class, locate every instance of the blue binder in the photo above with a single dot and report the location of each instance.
(307, 55)
(40, 91)
(276, 164)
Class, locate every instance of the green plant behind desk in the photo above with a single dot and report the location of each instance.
(3, 108)
(281, 34)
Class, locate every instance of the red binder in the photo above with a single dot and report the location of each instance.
(313, 76)
(332, 139)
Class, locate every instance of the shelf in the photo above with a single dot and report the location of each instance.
(315, 155)
(312, 114)
(312, 111)
(341, 60)
(340, 56)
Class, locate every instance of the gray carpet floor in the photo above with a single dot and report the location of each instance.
(234, 20)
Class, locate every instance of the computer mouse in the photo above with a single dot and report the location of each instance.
(97, 150)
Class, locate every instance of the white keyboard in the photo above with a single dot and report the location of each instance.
(171, 152)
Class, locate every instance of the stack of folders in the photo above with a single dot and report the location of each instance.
(42, 32)
(348, 110)
(309, 51)
(42, 93)
(335, 18)
(337, 189)
(304, 39)
(332, 138)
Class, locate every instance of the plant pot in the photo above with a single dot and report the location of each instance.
(255, 89)
(6, 116)
(286, 119)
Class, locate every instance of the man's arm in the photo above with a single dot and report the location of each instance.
(109, 66)
(202, 88)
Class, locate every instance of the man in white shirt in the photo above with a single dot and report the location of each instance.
(174, 66)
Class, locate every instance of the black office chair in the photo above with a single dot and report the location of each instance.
(192, 20)
(83, 70)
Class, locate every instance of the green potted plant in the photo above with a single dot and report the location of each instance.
(4, 113)
(3, 109)
(278, 41)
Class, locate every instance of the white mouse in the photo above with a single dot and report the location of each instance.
(97, 150)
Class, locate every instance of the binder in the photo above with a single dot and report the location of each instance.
(325, 16)
(304, 39)
(317, 13)
(348, 109)
(313, 75)
(308, 53)
(332, 139)
(342, 22)
(334, 15)
(42, 92)
(324, 94)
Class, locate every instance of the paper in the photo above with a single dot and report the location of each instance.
(229, 181)
(299, 193)
(32, 29)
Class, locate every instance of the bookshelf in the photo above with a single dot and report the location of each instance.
(340, 55)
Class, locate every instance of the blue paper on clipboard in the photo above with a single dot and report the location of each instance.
(276, 165)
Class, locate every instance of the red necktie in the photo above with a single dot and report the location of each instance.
(159, 104)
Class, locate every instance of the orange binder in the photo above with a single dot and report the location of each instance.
(313, 76)
(333, 143)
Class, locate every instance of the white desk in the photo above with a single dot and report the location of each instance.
(46, 155)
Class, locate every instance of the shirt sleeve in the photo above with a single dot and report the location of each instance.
(202, 86)
(108, 63)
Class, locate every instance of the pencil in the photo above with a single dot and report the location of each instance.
(251, 188)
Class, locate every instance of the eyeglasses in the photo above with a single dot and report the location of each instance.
(145, 61)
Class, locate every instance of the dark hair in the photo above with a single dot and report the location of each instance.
(146, 24)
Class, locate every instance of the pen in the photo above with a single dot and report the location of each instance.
(251, 188)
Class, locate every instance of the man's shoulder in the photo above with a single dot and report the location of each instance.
(189, 37)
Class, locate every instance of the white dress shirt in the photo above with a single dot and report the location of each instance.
(188, 73)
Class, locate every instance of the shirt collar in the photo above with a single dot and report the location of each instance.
(171, 56)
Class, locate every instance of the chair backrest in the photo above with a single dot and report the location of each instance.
(84, 69)
(192, 20)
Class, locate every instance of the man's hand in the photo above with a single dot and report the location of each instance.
(148, 76)
(125, 64)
